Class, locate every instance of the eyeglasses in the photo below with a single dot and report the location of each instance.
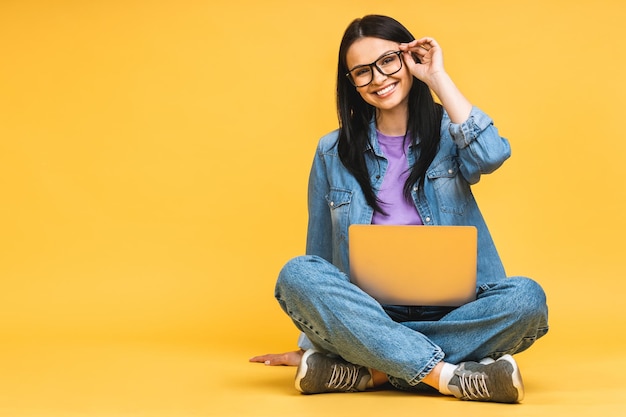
(388, 64)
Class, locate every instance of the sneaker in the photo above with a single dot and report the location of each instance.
(319, 373)
(499, 381)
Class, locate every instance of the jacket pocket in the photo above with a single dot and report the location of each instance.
(451, 189)
(339, 204)
(337, 198)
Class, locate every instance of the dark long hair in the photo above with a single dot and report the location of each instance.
(355, 114)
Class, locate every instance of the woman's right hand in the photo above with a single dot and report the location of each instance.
(430, 58)
(277, 359)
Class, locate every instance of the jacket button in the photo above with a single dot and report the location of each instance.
(427, 219)
(332, 203)
(450, 171)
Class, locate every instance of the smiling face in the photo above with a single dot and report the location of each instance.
(385, 92)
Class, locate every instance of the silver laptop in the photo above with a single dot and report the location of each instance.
(414, 265)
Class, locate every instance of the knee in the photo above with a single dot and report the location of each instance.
(528, 298)
(291, 275)
(302, 274)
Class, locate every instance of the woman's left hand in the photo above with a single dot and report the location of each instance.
(277, 359)
(430, 56)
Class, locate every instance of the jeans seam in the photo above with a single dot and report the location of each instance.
(526, 342)
(438, 356)
(306, 324)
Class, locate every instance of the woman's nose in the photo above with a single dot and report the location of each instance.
(378, 77)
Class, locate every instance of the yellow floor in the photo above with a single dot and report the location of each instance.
(157, 379)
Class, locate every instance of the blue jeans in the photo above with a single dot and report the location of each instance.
(406, 344)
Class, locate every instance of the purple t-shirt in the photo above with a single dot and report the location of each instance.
(391, 193)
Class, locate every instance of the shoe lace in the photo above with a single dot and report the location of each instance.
(473, 385)
(343, 377)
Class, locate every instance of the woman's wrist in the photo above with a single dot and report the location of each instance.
(455, 103)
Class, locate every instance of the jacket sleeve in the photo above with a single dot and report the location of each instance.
(319, 232)
(481, 149)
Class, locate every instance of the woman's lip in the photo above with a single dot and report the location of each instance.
(386, 90)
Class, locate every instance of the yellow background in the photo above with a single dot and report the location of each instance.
(155, 154)
(154, 158)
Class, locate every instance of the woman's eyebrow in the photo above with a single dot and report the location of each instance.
(379, 56)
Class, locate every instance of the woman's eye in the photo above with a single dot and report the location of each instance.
(388, 60)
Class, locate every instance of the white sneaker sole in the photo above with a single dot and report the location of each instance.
(516, 376)
(302, 368)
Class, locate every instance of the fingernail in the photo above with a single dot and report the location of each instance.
(267, 362)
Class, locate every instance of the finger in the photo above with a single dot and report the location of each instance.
(278, 360)
(269, 359)
(411, 47)
(408, 45)
(427, 43)
(409, 61)
(272, 359)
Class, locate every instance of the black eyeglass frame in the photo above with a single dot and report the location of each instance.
(372, 66)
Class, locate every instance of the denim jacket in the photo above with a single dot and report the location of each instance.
(466, 151)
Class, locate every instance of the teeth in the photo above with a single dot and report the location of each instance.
(386, 90)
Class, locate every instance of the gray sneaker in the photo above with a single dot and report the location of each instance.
(319, 373)
(499, 381)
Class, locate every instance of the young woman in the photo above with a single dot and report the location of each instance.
(400, 158)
